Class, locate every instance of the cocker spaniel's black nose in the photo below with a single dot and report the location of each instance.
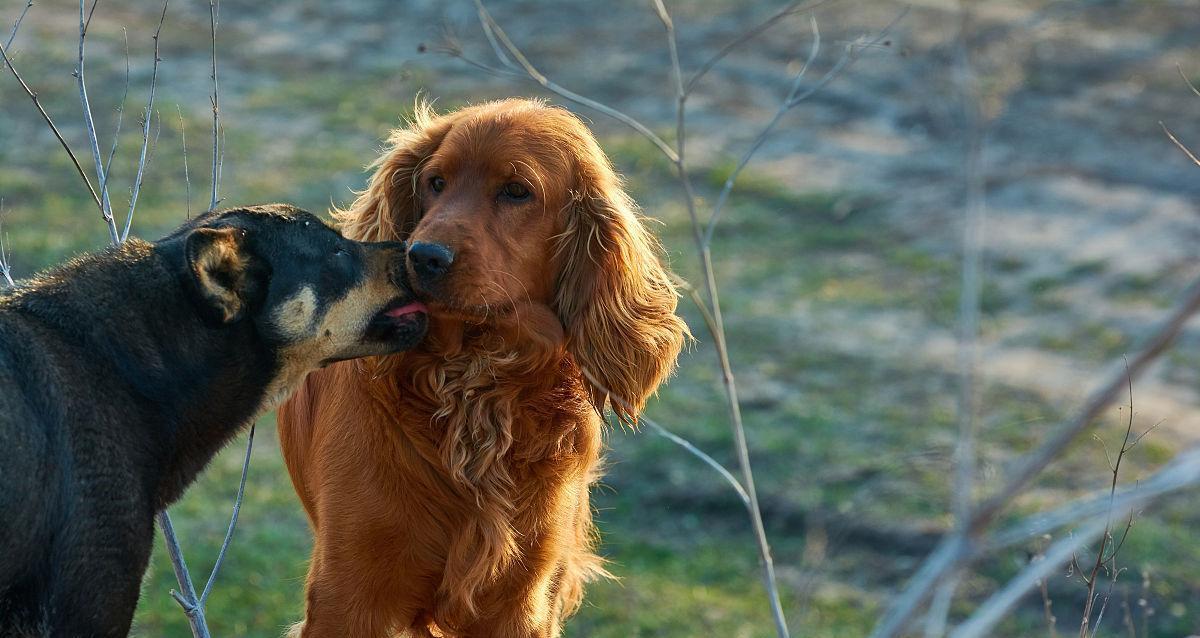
(430, 262)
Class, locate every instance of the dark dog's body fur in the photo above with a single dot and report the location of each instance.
(117, 386)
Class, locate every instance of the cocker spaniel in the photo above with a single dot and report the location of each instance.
(448, 486)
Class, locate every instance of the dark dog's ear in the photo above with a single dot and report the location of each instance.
(389, 209)
(218, 267)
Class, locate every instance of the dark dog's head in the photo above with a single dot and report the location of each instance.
(313, 295)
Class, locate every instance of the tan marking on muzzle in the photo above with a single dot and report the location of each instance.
(335, 335)
(295, 316)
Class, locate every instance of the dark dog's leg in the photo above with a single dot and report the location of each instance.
(96, 578)
(96, 605)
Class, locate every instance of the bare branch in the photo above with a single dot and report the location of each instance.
(1154, 346)
(54, 129)
(1181, 472)
(146, 117)
(939, 608)
(187, 179)
(17, 25)
(213, 8)
(112, 151)
(685, 179)
(944, 559)
(451, 46)
(90, 124)
(1105, 539)
(490, 34)
(1186, 81)
(723, 197)
(536, 76)
(793, 99)
(735, 412)
(1144, 434)
(186, 599)
(969, 307)
(674, 438)
(237, 508)
(1186, 150)
(1047, 605)
(789, 9)
(994, 609)
(5, 268)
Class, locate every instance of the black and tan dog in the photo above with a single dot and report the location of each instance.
(123, 373)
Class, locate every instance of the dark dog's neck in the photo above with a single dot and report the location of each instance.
(191, 385)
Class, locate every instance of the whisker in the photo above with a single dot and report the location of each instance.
(512, 303)
(516, 279)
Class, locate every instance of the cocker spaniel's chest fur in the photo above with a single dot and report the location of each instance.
(488, 419)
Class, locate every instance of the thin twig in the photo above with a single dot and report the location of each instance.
(5, 268)
(764, 549)
(1115, 467)
(187, 179)
(723, 197)
(793, 99)
(1047, 604)
(1195, 90)
(237, 508)
(147, 116)
(533, 73)
(791, 8)
(16, 25)
(186, 599)
(939, 607)
(112, 151)
(90, 124)
(974, 217)
(512, 58)
(54, 129)
(213, 7)
(1180, 472)
(735, 413)
(995, 608)
(1158, 343)
(1185, 149)
(969, 310)
(672, 437)
(950, 554)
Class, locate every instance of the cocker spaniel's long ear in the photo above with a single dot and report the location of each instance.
(614, 296)
(389, 208)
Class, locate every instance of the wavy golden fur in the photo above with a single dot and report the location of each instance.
(448, 486)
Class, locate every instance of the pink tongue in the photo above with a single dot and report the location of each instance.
(407, 309)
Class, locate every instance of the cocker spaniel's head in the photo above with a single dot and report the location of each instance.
(512, 205)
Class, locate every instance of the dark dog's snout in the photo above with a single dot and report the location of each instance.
(430, 262)
(396, 252)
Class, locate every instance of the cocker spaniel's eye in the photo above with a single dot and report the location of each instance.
(438, 184)
(516, 191)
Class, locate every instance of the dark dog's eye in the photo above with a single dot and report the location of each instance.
(516, 191)
(437, 184)
(340, 253)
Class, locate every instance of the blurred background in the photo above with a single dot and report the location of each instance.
(838, 258)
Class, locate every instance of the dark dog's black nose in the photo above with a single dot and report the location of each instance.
(429, 261)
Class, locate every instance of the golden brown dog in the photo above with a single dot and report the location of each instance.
(448, 486)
